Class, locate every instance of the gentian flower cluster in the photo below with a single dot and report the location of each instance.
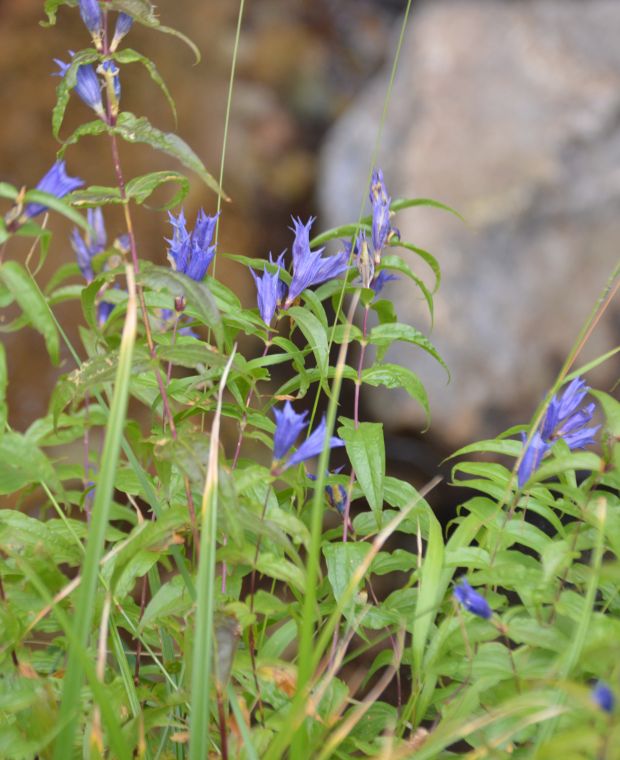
(472, 600)
(563, 419)
(56, 182)
(382, 232)
(192, 252)
(289, 425)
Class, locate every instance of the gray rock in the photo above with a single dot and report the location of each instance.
(509, 113)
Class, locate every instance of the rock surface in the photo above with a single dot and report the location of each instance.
(510, 113)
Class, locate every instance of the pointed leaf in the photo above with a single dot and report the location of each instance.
(366, 449)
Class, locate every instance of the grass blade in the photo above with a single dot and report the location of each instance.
(85, 605)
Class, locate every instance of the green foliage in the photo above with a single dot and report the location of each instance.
(169, 591)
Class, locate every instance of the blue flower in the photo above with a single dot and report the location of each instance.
(380, 202)
(563, 419)
(270, 290)
(336, 494)
(87, 247)
(87, 84)
(381, 279)
(472, 600)
(309, 267)
(603, 696)
(192, 253)
(289, 426)
(56, 182)
(124, 23)
(92, 16)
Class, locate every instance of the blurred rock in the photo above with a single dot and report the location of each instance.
(508, 112)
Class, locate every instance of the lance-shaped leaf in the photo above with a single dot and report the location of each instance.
(138, 129)
(132, 56)
(366, 449)
(33, 304)
(66, 84)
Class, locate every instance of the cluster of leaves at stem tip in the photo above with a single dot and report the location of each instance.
(185, 575)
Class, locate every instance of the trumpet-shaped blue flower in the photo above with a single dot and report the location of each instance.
(380, 202)
(472, 600)
(124, 23)
(92, 16)
(603, 696)
(192, 253)
(270, 290)
(86, 247)
(381, 279)
(289, 426)
(309, 267)
(563, 419)
(87, 84)
(55, 182)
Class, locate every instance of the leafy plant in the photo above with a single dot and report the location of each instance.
(170, 598)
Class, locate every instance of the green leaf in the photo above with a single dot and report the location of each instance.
(402, 203)
(197, 295)
(140, 188)
(22, 464)
(342, 561)
(315, 335)
(396, 264)
(386, 334)
(366, 449)
(8, 191)
(59, 205)
(135, 129)
(66, 84)
(51, 8)
(143, 12)
(93, 196)
(394, 376)
(424, 255)
(611, 410)
(33, 304)
(430, 594)
(91, 128)
(132, 56)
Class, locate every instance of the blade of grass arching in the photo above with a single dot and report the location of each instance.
(569, 659)
(231, 81)
(118, 745)
(85, 603)
(203, 638)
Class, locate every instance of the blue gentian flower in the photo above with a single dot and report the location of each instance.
(472, 600)
(563, 419)
(124, 23)
(381, 279)
(56, 182)
(309, 267)
(289, 425)
(270, 290)
(380, 202)
(603, 696)
(92, 16)
(87, 85)
(86, 247)
(192, 253)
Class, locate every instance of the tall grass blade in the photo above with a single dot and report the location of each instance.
(86, 599)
